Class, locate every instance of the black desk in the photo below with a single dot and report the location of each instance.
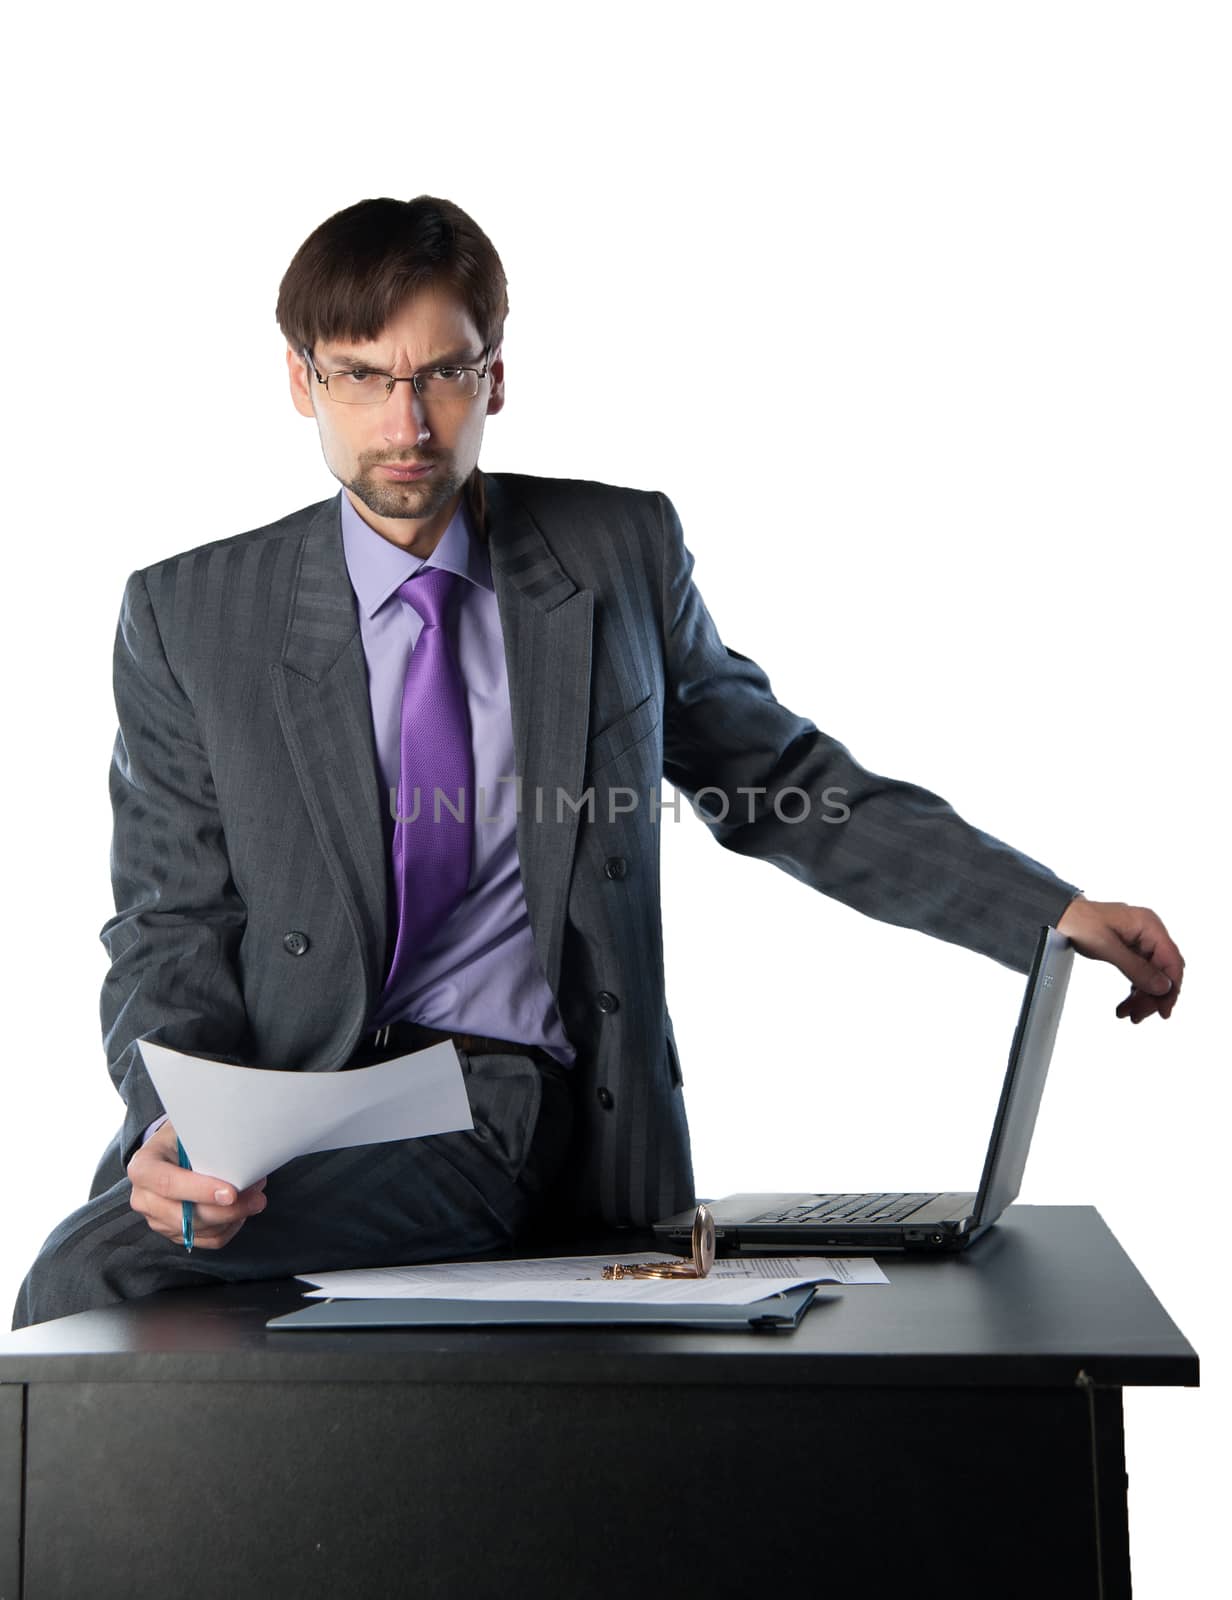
(957, 1433)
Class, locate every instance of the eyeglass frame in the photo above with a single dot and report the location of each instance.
(415, 379)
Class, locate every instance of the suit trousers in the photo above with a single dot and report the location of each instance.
(447, 1196)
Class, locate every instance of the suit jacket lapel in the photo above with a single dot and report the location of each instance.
(321, 692)
(547, 622)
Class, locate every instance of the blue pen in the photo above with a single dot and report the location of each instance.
(186, 1210)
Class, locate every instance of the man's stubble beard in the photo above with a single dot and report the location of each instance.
(409, 500)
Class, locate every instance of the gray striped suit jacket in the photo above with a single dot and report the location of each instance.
(247, 806)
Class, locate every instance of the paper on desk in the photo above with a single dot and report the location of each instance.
(730, 1282)
(240, 1123)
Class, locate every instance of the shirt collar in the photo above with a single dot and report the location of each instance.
(377, 568)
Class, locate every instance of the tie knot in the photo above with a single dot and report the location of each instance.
(428, 593)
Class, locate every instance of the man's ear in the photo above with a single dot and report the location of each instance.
(301, 393)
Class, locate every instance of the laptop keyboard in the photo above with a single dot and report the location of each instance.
(850, 1208)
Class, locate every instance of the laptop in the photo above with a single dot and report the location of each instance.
(806, 1223)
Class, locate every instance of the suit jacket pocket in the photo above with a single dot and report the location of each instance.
(618, 736)
(505, 1094)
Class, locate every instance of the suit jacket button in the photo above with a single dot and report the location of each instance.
(295, 942)
(605, 1099)
(607, 1001)
(614, 867)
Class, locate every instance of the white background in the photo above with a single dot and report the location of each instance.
(919, 314)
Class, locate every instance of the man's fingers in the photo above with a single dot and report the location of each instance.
(205, 1217)
(1137, 1006)
(214, 1238)
(1144, 975)
(224, 1216)
(1150, 953)
(174, 1182)
(1128, 937)
(155, 1167)
(213, 1225)
(209, 1239)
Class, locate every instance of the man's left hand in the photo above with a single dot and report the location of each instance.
(1136, 942)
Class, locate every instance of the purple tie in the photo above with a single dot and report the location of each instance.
(432, 852)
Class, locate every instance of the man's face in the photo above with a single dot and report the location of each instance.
(373, 449)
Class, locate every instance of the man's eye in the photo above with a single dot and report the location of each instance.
(450, 374)
(359, 375)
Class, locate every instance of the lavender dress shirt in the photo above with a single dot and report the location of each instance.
(480, 972)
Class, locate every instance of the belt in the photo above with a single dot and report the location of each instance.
(396, 1038)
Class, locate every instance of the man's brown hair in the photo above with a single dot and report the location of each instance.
(353, 274)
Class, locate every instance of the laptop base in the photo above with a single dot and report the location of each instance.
(748, 1223)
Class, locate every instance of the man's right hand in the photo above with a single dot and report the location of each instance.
(161, 1185)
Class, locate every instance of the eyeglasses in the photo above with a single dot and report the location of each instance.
(435, 386)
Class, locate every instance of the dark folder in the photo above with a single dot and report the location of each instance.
(776, 1312)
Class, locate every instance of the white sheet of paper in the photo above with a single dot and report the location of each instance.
(240, 1123)
(737, 1282)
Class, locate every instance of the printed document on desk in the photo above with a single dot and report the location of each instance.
(574, 1279)
(240, 1123)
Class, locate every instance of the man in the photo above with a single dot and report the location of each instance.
(293, 699)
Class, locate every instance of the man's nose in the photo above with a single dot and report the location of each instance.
(403, 415)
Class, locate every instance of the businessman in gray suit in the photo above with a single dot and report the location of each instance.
(536, 650)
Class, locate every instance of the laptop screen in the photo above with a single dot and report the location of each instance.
(1024, 1081)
